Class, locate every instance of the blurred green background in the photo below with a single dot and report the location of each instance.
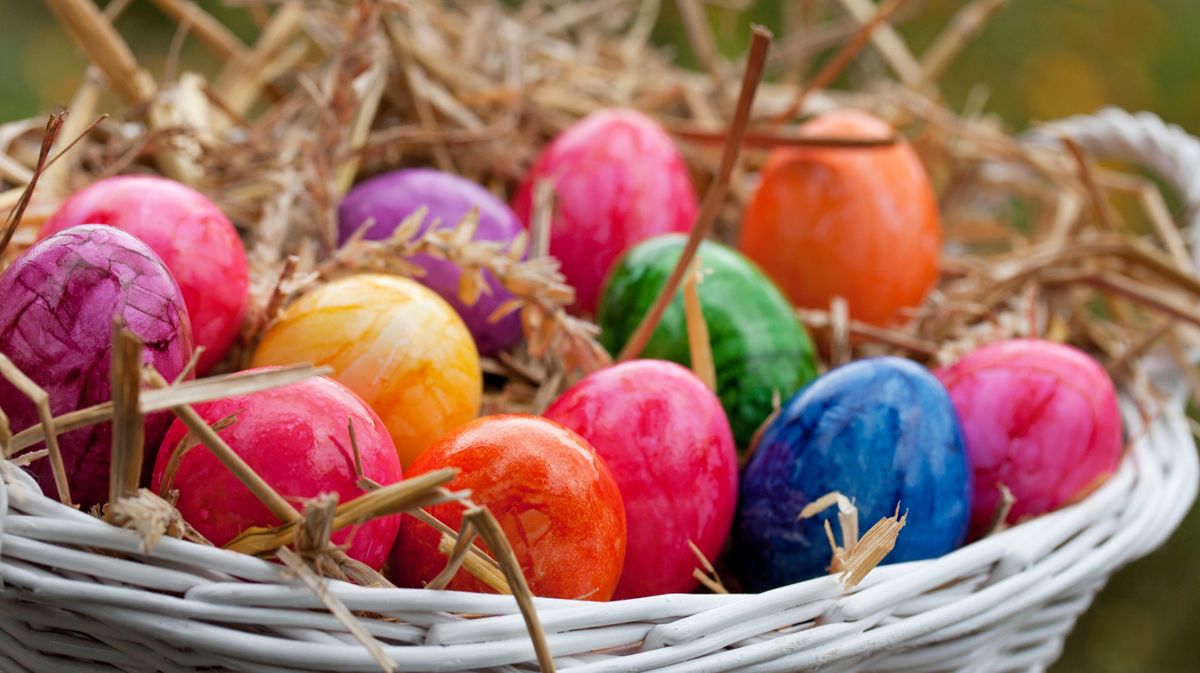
(1039, 59)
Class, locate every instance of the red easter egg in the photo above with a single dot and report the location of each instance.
(618, 180)
(1040, 418)
(192, 236)
(558, 505)
(666, 439)
(857, 223)
(297, 438)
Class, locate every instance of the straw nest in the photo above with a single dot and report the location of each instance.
(331, 91)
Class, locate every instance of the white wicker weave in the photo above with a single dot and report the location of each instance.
(1002, 604)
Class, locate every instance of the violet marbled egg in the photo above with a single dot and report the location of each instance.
(881, 431)
(1039, 417)
(59, 299)
(390, 197)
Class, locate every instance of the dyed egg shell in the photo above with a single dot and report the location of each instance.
(392, 341)
(882, 432)
(618, 180)
(556, 501)
(1039, 417)
(191, 235)
(760, 349)
(298, 440)
(658, 427)
(856, 223)
(56, 312)
(389, 198)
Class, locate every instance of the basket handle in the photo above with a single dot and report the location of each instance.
(1171, 154)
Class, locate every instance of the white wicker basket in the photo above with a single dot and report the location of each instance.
(1002, 604)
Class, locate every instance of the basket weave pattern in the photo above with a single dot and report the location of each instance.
(1005, 603)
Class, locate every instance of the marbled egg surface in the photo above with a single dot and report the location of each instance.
(666, 440)
(881, 431)
(194, 239)
(1039, 417)
(618, 179)
(759, 347)
(553, 496)
(297, 438)
(851, 222)
(57, 303)
(395, 343)
(388, 198)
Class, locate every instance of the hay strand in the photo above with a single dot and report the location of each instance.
(41, 400)
(699, 346)
(489, 529)
(713, 198)
(128, 429)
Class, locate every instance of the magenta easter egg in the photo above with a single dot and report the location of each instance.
(666, 440)
(191, 235)
(618, 180)
(57, 303)
(388, 198)
(297, 439)
(1040, 418)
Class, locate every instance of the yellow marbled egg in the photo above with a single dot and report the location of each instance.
(393, 341)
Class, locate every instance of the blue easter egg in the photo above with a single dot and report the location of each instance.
(881, 431)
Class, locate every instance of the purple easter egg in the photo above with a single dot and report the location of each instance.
(390, 197)
(55, 325)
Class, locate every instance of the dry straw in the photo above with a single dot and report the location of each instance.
(330, 91)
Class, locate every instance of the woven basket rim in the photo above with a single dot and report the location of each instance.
(1077, 546)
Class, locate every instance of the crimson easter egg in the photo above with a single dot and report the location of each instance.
(1040, 418)
(666, 439)
(297, 438)
(191, 235)
(618, 180)
(555, 500)
(851, 222)
(57, 303)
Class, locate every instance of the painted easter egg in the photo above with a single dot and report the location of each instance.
(191, 236)
(1040, 418)
(388, 198)
(56, 312)
(658, 427)
(759, 347)
(618, 180)
(297, 438)
(882, 432)
(392, 341)
(857, 223)
(552, 495)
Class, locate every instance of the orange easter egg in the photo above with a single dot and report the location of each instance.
(554, 498)
(395, 343)
(859, 223)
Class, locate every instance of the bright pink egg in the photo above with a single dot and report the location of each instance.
(297, 438)
(192, 236)
(618, 180)
(667, 442)
(1040, 418)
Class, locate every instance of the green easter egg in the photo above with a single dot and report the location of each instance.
(759, 346)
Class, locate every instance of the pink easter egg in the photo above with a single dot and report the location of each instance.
(1040, 418)
(297, 439)
(667, 442)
